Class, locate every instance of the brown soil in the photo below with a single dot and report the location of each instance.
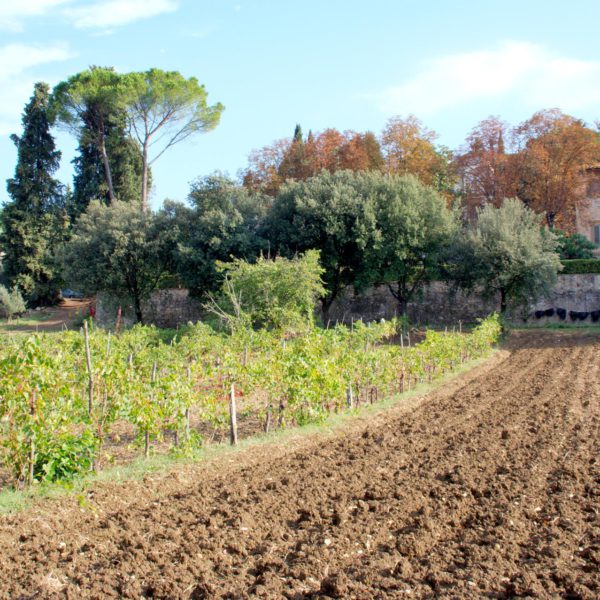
(488, 488)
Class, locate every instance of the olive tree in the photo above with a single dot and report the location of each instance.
(120, 250)
(415, 229)
(509, 254)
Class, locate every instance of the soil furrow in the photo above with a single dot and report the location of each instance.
(489, 488)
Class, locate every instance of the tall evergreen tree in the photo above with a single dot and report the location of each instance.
(33, 222)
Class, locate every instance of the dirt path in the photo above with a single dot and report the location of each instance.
(490, 488)
(53, 318)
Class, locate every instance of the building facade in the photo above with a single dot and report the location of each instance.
(588, 216)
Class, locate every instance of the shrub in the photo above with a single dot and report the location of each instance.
(580, 266)
(574, 246)
(63, 457)
(279, 294)
(11, 303)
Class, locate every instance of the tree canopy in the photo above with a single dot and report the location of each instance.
(163, 108)
(118, 249)
(221, 223)
(329, 213)
(160, 108)
(89, 104)
(415, 229)
(508, 254)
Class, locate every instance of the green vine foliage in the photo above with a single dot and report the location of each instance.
(49, 429)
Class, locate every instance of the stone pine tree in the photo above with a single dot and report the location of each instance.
(33, 221)
(85, 104)
(125, 163)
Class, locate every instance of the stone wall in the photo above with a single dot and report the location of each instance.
(437, 304)
(165, 308)
(577, 295)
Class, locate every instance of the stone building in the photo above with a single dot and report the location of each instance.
(588, 217)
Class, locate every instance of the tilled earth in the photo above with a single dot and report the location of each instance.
(486, 488)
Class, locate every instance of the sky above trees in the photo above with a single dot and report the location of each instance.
(347, 64)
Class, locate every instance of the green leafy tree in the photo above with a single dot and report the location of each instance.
(120, 250)
(33, 221)
(222, 222)
(88, 104)
(415, 229)
(164, 108)
(333, 213)
(276, 293)
(507, 253)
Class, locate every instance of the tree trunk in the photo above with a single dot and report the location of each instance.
(402, 307)
(145, 178)
(107, 172)
(137, 305)
(401, 298)
(550, 217)
(503, 303)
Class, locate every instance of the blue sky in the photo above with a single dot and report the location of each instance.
(347, 64)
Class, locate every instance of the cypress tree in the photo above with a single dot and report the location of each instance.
(33, 221)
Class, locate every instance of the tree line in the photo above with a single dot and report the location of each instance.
(395, 209)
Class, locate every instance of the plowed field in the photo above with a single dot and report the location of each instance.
(486, 488)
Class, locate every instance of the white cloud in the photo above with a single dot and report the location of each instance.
(520, 71)
(106, 14)
(14, 12)
(16, 78)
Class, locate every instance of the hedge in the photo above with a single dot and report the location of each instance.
(580, 265)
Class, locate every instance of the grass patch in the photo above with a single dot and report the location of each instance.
(17, 500)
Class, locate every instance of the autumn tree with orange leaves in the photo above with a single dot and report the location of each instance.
(487, 168)
(554, 152)
(298, 158)
(409, 149)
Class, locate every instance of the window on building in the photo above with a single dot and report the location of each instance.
(597, 235)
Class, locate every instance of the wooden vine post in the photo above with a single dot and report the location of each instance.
(349, 396)
(187, 408)
(31, 458)
(88, 362)
(233, 436)
(147, 432)
(268, 418)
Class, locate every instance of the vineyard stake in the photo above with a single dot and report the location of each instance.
(268, 419)
(147, 432)
(187, 410)
(233, 436)
(118, 323)
(349, 396)
(88, 362)
(31, 439)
